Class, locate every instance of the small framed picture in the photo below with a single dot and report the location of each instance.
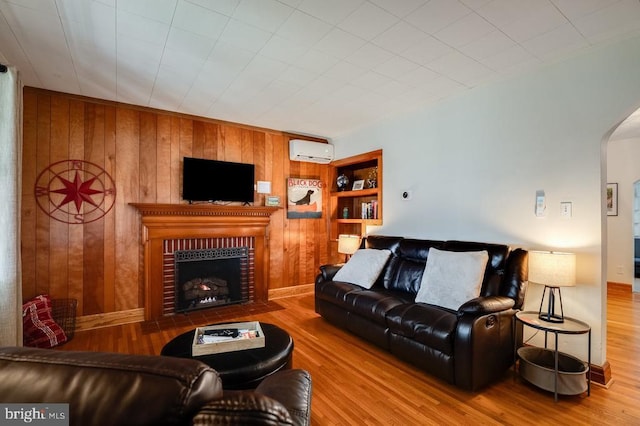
(612, 199)
(272, 200)
(358, 185)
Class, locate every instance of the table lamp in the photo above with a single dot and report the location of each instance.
(348, 244)
(553, 270)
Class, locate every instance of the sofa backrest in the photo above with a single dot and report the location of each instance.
(404, 270)
(109, 388)
(505, 274)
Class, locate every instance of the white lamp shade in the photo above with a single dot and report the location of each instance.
(553, 269)
(348, 244)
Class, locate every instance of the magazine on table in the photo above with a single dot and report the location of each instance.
(227, 334)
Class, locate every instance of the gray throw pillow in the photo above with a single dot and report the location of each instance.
(364, 267)
(452, 278)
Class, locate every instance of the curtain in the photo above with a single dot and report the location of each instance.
(10, 194)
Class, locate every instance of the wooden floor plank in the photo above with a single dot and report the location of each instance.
(357, 383)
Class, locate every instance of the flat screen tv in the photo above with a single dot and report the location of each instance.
(217, 181)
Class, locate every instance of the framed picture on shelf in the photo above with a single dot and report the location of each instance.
(612, 199)
(304, 198)
(358, 185)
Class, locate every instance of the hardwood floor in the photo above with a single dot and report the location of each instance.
(357, 383)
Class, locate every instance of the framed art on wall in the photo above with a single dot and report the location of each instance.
(304, 198)
(612, 199)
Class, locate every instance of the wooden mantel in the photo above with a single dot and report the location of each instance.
(162, 222)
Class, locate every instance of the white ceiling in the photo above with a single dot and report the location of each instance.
(321, 67)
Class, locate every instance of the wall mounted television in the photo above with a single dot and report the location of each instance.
(217, 181)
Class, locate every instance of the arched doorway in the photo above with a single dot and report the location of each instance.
(623, 225)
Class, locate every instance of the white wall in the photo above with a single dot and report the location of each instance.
(474, 164)
(623, 168)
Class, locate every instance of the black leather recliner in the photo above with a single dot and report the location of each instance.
(470, 347)
(116, 389)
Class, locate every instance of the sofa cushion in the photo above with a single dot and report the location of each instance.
(374, 304)
(39, 328)
(335, 292)
(430, 325)
(364, 267)
(452, 278)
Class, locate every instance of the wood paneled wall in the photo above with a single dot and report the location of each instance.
(99, 263)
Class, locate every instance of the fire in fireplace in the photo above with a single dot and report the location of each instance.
(210, 277)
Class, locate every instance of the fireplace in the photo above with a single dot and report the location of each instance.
(210, 277)
(176, 224)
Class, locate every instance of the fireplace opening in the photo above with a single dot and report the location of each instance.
(210, 277)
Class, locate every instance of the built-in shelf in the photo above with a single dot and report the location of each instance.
(361, 207)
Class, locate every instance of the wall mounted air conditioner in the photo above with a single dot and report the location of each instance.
(310, 152)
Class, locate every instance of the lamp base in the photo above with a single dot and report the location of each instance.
(550, 315)
(545, 316)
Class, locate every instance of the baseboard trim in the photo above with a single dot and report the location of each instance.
(601, 375)
(109, 319)
(296, 290)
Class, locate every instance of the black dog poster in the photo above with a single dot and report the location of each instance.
(304, 198)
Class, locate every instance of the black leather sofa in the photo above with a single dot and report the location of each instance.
(116, 389)
(469, 348)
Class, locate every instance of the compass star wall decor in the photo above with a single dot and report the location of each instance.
(75, 191)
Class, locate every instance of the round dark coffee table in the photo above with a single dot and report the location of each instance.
(243, 369)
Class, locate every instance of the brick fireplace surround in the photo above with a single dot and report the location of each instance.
(161, 222)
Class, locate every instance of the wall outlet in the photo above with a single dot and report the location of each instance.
(565, 209)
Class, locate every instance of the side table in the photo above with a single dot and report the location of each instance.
(569, 326)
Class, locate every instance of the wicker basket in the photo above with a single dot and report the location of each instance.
(537, 365)
(63, 312)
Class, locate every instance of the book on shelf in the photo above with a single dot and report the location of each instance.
(369, 210)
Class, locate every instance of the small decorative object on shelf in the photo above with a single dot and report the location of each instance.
(272, 200)
(372, 178)
(345, 213)
(342, 182)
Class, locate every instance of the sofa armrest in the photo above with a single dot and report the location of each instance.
(293, 389)
(327, 272)
(237, 408)
(486, 305)
(283, 398)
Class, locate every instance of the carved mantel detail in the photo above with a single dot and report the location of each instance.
(175, 221)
